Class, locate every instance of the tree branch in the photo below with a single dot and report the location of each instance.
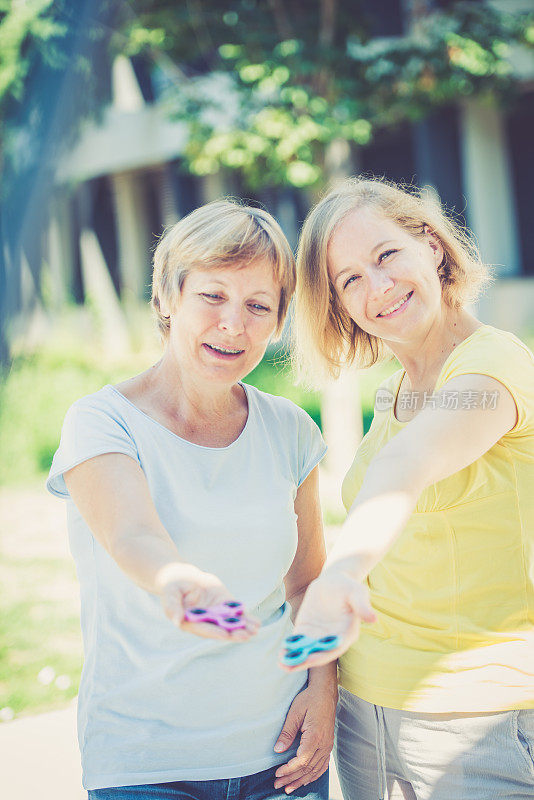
(281, 18)
(328, 22)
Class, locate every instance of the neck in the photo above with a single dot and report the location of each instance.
(423, 356)
(180, 394)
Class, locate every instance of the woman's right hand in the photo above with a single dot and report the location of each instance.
(334, 605)
(184, 586)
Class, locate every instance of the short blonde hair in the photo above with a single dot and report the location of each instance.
(325, 338)
(220, 234)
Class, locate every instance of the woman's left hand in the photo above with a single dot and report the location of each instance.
(312, 714)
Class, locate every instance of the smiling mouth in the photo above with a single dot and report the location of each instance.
(388, 312)
(223, 351)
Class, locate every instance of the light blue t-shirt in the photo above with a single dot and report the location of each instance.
(157, 704)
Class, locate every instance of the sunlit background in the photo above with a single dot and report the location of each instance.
(117, 118)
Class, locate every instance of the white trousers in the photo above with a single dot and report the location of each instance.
(382, 753)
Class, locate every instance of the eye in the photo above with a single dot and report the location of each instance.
(211, 296)
(352, 279)
(257, 307)
(386, 254)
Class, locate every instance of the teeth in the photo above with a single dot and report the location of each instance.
(224, 350)
(393, 308)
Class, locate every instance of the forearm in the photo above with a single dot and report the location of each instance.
(149, 558)
(324, 679)
(295, 601)
(377, 518)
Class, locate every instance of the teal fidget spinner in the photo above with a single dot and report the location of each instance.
(299, 647)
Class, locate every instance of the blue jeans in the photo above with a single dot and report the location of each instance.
(252, 787)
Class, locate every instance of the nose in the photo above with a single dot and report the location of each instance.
(379, 282)
(231, 319)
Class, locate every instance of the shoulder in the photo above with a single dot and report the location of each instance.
(101, 407)
(489, 338)
(290, 430)
(278, 408)
(496, 354)
(491, 350)
(93, 426)
(104, 398)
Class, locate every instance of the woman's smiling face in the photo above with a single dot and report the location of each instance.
(224, 319)
(386, 279)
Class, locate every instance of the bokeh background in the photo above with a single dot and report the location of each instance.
(117, 118)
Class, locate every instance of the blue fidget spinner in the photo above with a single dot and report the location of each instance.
(299, 647)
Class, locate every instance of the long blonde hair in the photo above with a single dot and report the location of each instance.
(325, 338)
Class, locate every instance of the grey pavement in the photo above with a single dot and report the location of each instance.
(39, 758)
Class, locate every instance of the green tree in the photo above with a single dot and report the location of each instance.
(266, 87)
(54, 70)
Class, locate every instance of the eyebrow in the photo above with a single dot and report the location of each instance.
(378, 246)
(350, 269)
(259, 291)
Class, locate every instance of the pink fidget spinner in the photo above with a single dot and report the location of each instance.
(228, 616)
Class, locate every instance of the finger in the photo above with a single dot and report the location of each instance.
(313, 759)
(307, 777)
(253, 623)
(205, 630)
(206, 596)
(241, 635)
(285, 772)
(298, 779)
(319, 659)
(361, 604)
(174, 609)
(301, 760)
(210, 630)
(297, 774)
(287, 735)
(320, 754)
(288, 780)
(305, 780)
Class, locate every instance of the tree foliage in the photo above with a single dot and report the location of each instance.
(21, 24)
(55, 62)
(265, 87)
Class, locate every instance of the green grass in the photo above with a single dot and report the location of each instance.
(34, 398)
(37, 632)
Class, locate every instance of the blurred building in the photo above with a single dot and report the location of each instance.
(123, 182)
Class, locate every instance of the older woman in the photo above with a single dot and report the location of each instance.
(437, 690)
(187, 488)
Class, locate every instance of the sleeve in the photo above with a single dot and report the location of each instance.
(505, 358)
(311, 446)
(88, 431)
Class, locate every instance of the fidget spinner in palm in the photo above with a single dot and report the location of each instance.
(228, 616)
(299, 647)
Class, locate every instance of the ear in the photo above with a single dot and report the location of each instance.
(435, 244)
(164, 308)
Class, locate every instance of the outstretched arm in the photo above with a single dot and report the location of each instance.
(433, 446)
(112, 495)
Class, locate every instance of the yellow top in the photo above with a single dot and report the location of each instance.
(454, 596)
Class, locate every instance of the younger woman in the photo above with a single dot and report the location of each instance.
(436, 558)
